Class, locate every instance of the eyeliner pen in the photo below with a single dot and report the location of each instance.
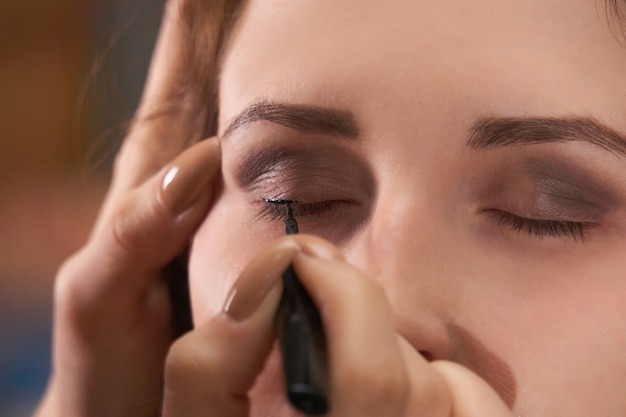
(301, 338)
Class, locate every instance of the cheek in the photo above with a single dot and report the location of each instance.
(225, 242)
(564, 336)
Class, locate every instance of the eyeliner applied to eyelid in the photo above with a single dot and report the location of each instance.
(277, 200)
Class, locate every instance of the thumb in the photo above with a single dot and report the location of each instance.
(471, 395)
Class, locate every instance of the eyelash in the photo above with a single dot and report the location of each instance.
(540, 228)
(532, 227)
(277, 212)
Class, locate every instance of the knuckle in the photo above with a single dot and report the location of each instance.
(74, 299)
(177, 363)
(67, 285)
(122, 231)
(136, 223)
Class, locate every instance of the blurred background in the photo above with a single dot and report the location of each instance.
(71, 72)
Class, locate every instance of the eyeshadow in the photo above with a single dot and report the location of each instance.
(256, 164)
(571, 185)
(548, 186)
(300, 160)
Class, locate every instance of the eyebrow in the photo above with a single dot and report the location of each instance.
(303, 118)
(492, 133)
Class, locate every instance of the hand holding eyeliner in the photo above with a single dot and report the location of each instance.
(301, 338)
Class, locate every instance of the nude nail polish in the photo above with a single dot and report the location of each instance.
(256, 281)
(266, 270)
(188, 175)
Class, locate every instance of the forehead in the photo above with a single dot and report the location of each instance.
(548, 55)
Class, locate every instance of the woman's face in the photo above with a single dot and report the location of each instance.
(467, 155)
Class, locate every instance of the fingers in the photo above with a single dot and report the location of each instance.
(210, 370)
(429, 389)
(145, 230)
(155, 137)
(375, 372)
(172, 114)
(167, 62)
(367, 371)
(471, 396)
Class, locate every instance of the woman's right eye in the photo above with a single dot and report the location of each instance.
(277, 212)
(334, 216)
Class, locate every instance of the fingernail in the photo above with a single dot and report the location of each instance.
(265, 271)
(257, 280)
(188, 175)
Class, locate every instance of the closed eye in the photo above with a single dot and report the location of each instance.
(277, 212)
(539, 227)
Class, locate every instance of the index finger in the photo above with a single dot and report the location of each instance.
(367, 370)
(150, 141)
(178, 105)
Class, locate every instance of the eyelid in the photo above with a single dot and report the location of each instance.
(571, 183)
(267, 159)
(275, 212)
(296, 157)
(278, 159)
(553, 193)
(306, 170)
(556, 183)
(540, 228)
(543, 197)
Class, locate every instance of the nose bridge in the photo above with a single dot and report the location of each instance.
(403, 247)
(403, 236)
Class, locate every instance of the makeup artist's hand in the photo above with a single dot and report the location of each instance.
(211, 370)
(112, 315)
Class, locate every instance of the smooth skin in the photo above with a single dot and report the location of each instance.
(431, 308)
(540, 317)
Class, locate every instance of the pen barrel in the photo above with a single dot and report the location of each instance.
(303, 347)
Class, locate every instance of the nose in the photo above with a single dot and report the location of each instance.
(436, 278)
(402, 248)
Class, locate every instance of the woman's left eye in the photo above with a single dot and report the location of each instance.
(539, 227)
